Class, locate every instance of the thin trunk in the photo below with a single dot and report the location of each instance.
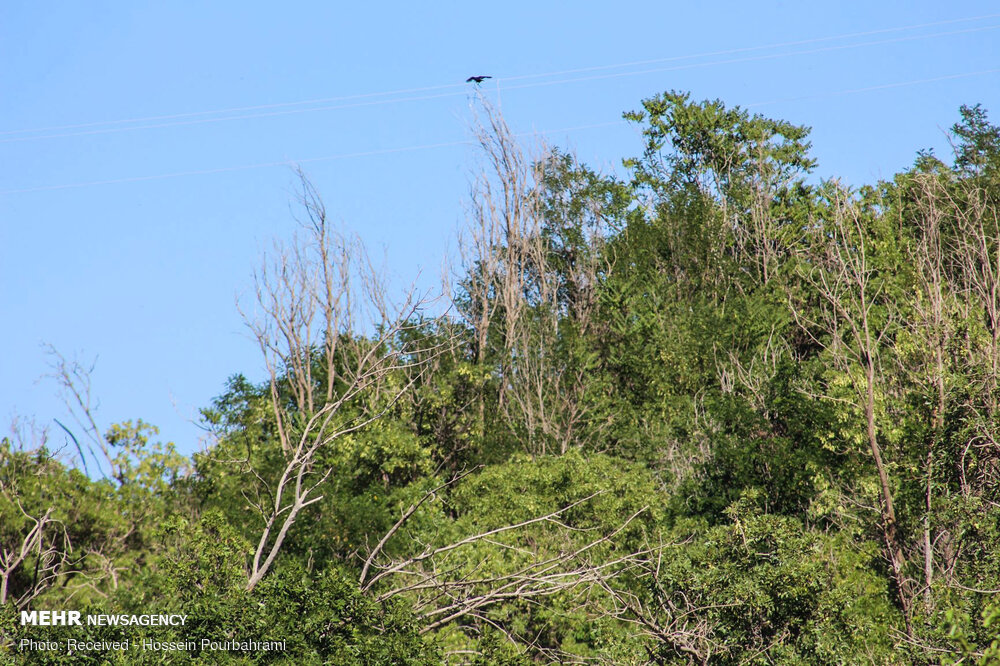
(938, 432)
(896, 557)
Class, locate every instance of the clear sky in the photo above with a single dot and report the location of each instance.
(144, 145)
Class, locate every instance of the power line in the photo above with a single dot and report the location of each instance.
(115, 130)
(201, 121)
(746, 49)
(772, 56)
(238, 109)
(448, 144)
(244, 167)
(263, 107)
(264, 165)
(884, 86)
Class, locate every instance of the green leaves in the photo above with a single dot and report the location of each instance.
(710, 413)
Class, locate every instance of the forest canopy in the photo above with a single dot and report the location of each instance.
(713, 411)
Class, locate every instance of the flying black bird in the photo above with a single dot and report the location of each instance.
(477, 79)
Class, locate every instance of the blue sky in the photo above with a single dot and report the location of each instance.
(144, 145)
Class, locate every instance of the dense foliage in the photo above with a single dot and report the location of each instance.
(716, 412)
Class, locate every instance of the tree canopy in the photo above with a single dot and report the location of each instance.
(714, 411)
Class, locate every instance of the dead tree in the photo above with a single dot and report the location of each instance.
(331, 341)
(45, 547)
(978, 251)
(678, 623)
(443, 585)
(512, 298)
(978, 255)
(931, 325)
(74, 381)
(851, 324)
(36, 554)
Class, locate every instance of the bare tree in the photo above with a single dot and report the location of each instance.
(852, 323)
(37, 552)
(46, 545)
(931, 325)
(977, 249)
(332, 342)
(513, 300)
(679, 623)
(74, 381)
(446, 584)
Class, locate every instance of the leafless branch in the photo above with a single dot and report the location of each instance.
(514, 301)
(841, 272)
(335, 349)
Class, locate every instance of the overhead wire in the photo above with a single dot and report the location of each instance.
(884, 86)
(735, 61)
(202, 121)
(392, 100)
(799, 42)
(387, 151)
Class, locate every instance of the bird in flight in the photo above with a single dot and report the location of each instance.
(477, 79)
